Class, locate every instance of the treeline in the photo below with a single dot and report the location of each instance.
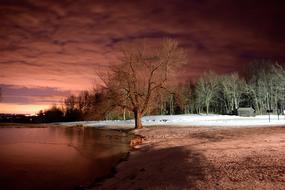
(88, 105)
(262, 88)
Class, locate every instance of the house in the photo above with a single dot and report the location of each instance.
(246, 112)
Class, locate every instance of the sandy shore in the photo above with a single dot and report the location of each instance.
(204, 158)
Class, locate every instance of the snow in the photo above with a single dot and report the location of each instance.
(189, 120)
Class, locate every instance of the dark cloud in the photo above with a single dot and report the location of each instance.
(63, 44)
(37, 95)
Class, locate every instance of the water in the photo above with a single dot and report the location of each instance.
(57, 157)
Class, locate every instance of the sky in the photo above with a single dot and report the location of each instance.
(52, 49)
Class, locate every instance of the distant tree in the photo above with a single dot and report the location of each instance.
(206, 89)
(70, 102)
(98, 105)
(142, 74)
(73, 107)
(183, 97)
(267, 85)
(54, 114)
(233, 87)
(83, 101)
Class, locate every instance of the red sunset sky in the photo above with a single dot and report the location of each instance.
(50, 49)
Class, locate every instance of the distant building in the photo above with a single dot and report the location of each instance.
(246, 112)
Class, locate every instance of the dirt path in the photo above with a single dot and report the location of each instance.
(204, 158)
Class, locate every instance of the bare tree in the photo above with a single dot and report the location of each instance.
(183, 95)
(70, 102)
(142, 74)
(267, 86)
(206, 89)
(232, 87)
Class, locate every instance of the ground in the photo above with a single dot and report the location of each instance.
(204, 158)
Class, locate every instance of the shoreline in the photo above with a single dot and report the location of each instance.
(185, 146)
(97, 182)
(100, 180)
(203, 158)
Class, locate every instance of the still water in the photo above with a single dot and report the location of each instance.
(57, 157)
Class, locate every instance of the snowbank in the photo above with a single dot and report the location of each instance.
(189, 120)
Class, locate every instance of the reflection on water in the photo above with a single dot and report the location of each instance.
(57, 157)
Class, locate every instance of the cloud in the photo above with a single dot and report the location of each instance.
(37, 95)
(63, 44)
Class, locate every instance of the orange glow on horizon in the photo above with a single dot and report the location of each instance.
(22, 108)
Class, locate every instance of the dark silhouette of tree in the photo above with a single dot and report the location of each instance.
(54, 114)
(73, 108)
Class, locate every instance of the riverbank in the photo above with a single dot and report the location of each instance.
(204, 158)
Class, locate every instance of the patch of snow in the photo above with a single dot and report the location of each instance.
(188, 120)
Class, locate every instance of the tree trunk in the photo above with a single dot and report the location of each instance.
(138, 119)
(124, 113)
(171, 106)
(236, 103)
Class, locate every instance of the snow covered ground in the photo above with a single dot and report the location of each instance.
(189, 120)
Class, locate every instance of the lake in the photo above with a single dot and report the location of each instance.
(58, 157)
